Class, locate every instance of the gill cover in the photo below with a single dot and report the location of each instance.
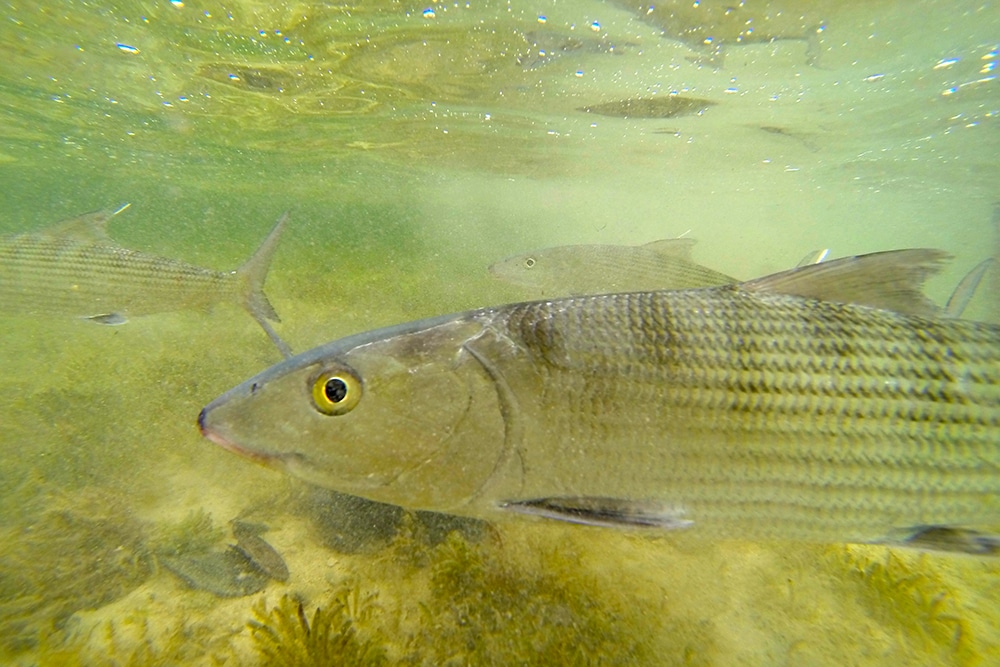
(404, 415)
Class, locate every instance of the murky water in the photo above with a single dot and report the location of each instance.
(414, 144)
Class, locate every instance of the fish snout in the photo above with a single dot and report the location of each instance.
(215, 436)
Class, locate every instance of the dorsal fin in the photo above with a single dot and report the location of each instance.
(679, 248)
(91, 227)
(891, 280)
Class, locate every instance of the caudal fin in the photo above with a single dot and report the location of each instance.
(966, 289)
(251, 278)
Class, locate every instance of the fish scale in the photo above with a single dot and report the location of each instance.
(53, 276)
(777, 413)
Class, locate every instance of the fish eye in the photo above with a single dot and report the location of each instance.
(530, 262)
(336, 392)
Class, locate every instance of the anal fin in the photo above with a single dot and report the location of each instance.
(951, 539)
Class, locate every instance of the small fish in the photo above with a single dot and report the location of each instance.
(668, 106)
(74, 269)
(227, 574)
(544, 46)
(710, 26)
(255, 548)
(603, 269)
(830, 402)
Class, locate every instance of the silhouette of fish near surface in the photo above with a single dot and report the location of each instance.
(603, 269)
(74, 269)
(832, 402)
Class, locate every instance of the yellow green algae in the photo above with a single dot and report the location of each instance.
(284, 636)
(581, 597)
(413, 151)
(68, 552)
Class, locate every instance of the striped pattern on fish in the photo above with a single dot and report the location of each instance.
(42, 275)
(773, 417)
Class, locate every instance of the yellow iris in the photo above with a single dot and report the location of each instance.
(336, 392)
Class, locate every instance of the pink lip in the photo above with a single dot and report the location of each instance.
(229, 445)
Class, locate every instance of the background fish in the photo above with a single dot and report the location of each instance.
(712, 25)
(830, 402)
(603, 269)
(74, 269)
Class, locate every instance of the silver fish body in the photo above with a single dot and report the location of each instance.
(604, 269)
(796, 406)
(74, 269)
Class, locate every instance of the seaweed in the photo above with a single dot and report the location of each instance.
(195, 533)
(491, 610)
(903, 590)
(284, 636)
(74, 552)
(131, 642)
(464, 602)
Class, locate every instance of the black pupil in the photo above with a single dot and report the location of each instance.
(335, 389)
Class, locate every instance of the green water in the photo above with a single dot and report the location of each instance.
(412, 151)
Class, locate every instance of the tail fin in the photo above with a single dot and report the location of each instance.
(251, 277)
(966, 289)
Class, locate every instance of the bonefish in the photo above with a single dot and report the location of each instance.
(832, 402)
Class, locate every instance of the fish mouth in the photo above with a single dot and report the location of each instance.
(227, 444)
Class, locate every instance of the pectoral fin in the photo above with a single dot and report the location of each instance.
(607, 512)
(107, 319)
